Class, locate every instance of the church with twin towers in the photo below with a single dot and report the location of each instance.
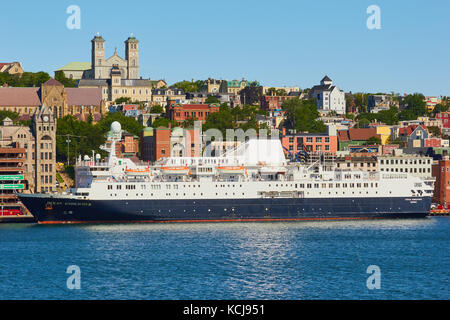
(103, 68)
(117, 77)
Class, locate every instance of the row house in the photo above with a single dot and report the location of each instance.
(310, 142)
(182, 112)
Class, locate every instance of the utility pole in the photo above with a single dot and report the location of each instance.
(68, 148)
(68, 141)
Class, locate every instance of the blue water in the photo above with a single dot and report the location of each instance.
(296, 260)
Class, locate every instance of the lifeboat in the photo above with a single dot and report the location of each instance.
(176, 170)
(231, 169)
(145, 171)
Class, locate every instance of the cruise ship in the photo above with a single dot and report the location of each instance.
(253, 182)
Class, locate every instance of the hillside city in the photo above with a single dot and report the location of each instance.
(49, 122)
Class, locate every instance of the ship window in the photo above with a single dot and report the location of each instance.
(316, 185)
(308, 185)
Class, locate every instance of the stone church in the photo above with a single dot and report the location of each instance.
(101, 67)
(117, 77)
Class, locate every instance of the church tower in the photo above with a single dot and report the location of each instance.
(132, 57)
(98, 57)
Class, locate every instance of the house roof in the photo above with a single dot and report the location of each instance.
(358, 134)
(76, 66)
(92, 82)
(84, 96)
(11, 96)
(407, 131)
(2, 64)
(52, 82)
(326, 78)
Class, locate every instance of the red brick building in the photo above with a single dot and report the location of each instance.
(271, 103)
(445, 118)
(161, 143)
(182, 112)
(310, 142)
(441, 171)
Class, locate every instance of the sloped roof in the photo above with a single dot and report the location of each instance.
(52, 82)
(11, 96)
(358, 134)
(84, 96)
(410, 129)
(76, 66)
(326, 78)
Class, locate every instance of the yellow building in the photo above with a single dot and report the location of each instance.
(385, 133)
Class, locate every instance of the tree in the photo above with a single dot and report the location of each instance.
(128, 123)
(363, 123)
(415, 107)
(27, 79)
(84, 137)
(123, 100)
(163, 122)
(302, 115)
(61, 77)
(435, 131)
(251, 94)
(212, 99)
(157, 109)
(189, 86)
(373, 140)
(281, 92)
(350, 116)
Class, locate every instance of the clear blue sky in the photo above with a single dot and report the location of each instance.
(276, 42)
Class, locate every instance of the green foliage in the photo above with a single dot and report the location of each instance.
(276, 92)
(415, 107)
(128, 124)
(302, 115)
(157, 109)
(14, 116)
(189, 86)
(70, 170)
(251, 94)
(362, 123)
(227, 118)
(435, 131)
(27, 79)
(440, 108)
(163, 122)
(85, 137)
(389, 117)
(212, 99)
(373, 140)
(61, 77)
(123, 100)
(350, 116)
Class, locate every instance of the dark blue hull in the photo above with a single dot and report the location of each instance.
(61, 210)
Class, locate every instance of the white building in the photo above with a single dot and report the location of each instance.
(416, 165)
(328, 96)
